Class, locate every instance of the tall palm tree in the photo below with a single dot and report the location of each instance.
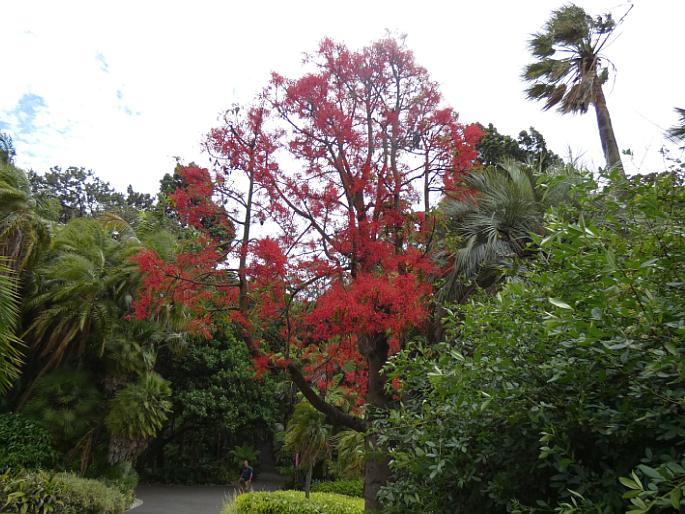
(10, 354)
(493, 224)
(7, 151)
(308, 436)
(677, 132)
(22, 231)
(570, 70)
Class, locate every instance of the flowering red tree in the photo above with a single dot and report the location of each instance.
(339, 166)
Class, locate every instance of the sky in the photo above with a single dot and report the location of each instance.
(123, 88)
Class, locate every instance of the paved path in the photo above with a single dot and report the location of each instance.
(194, 499)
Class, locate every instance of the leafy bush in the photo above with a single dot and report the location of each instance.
(42, 492)
(67, 404)
(294, 502)
(140, 409)
(346, 487)
(217, 405)
(544, 396)
(24, 444)
(244, 453)
(123, 477)
(661, 488)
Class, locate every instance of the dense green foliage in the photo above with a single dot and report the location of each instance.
(140, 408)
(218, 408)
(58, 493)
(77, 192)
(529, 147)
(567, 379)
(294, 502)
(67, 404)
(24, 444)
(354, 487)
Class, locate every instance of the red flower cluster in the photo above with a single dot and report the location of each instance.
(339, 168)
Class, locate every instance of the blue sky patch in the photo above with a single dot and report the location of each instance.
(100, 58)
(26, 111)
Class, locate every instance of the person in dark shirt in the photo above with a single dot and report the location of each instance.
(246, 476)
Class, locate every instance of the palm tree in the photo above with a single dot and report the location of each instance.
(10, 354)
(22, 231)
(82, 291)
(7, 151)
(137, 412)
(350, 453)
(677, 132)
(570, 69)
(493, 224)
(308, 436)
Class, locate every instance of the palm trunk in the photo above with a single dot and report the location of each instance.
(308, 480)
(606, 129)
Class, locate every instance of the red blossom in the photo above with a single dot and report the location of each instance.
(347, 266)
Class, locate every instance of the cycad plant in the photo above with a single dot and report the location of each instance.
(307, 435)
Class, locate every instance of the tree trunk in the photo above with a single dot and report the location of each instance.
(376, 469)
(606, 129)
(376, 474)
(308, 480)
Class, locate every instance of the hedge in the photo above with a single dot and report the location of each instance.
(353, 487)
(24, 444)
(294, 502)
(42, 492)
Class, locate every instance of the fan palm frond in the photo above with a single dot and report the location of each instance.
(494, 223)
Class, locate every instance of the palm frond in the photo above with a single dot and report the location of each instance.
(10, 345)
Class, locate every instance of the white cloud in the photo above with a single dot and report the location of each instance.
(129, 85)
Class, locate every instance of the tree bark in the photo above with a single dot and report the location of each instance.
(308, 480)
(376, 474)
(376, 469)
(606, 130)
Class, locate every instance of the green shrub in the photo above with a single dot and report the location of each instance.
(244, 453)
(38, 493)
(43, 492)
(24, 444)
(66, 403)
(546, 396)
(294, 502)
(123, 477)
(346, 487)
